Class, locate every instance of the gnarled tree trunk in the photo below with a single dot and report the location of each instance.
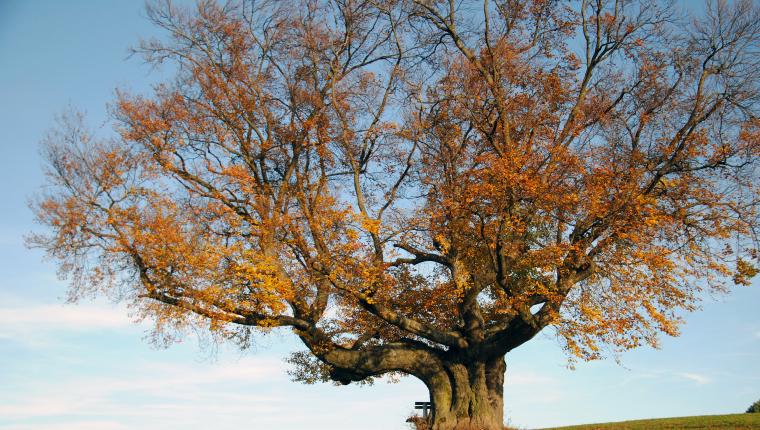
(466, 390)
(468, 396)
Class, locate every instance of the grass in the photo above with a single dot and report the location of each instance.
(734, 422)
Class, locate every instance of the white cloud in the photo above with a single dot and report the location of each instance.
(527, 378)
(695, 377)
(73, 425)
(527, 390)
(245, 370)
(66, 317)
(37, 326)
(164, 389)
(178, 395)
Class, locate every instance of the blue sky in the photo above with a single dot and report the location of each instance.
(88, 366)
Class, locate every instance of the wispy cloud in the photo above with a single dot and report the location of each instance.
(695, 377)
(73, 425)
(532, 388)
(177, 396)
(174, 389)
(528, 378)
(64, 317)
(39, 325)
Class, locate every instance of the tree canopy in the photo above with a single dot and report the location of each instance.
(420, 186)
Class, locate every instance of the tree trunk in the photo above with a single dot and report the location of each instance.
(468, 396)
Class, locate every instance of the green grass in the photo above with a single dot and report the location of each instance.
(734, 422)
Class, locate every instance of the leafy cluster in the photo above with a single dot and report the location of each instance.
(421, 186)
(754, 408)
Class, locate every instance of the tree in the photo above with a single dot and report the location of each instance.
(754, 408)
(419, 187)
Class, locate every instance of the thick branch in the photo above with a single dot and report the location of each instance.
(419, 257)
(237, 316)
(356, 365)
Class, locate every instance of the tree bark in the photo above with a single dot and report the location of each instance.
(468, 396)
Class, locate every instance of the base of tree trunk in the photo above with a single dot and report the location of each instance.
(468, 396)
(420, 423)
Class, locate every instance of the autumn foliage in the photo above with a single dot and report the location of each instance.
(420, 186)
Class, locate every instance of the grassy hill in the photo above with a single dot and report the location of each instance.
(734, 422)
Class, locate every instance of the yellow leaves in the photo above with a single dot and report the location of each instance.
(745, 271)
(235, 188)
(237, 172)
(651, 221)
(443, 243)
(352, 235)
(591, 312)
(461, 281)
(370, 225)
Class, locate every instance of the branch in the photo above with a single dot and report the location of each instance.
(356, 365)
(238, 316)
(449, 338)
(419, 257)
(505, 337)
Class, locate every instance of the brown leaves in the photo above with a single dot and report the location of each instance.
(745, 271)
(426, 183)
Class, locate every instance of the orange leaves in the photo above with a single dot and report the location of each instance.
(429, 188)
(745, 271)
(369, 225)
(145, 119)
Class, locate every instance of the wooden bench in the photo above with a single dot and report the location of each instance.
(425, 406)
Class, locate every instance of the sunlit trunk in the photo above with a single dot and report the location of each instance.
(468, 396)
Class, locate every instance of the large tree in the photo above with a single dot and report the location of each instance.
(421, 186)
